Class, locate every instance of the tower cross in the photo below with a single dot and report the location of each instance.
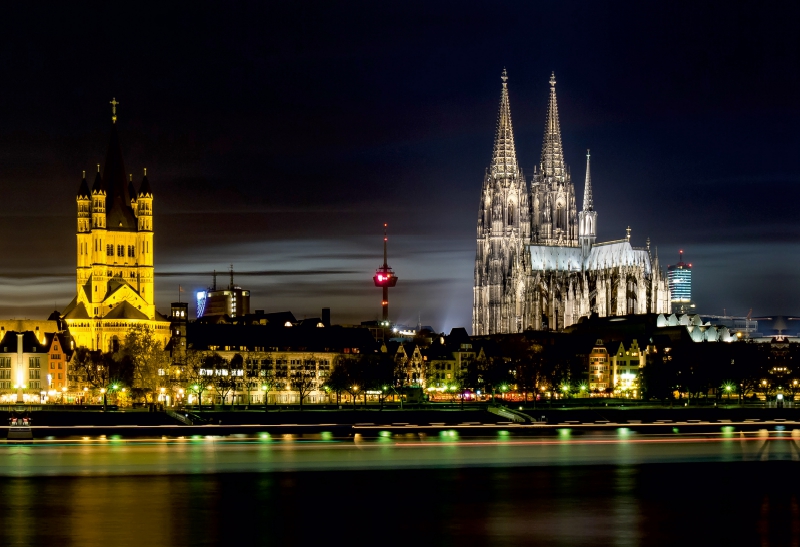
(114, 104)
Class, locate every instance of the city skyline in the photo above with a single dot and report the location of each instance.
(685, 130)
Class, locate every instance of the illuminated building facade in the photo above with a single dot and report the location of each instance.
(23, 366)
(537, 264)
(114, 281)
(233, 301)
(626, 364)
(680, 286)
(307, 352)
(599, 369)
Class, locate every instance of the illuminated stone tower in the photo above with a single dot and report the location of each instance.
(538, 264)
(554, 218)
(503, 229)
(114, 257)
(587, 218)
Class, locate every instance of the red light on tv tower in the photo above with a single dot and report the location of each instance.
(384, 277)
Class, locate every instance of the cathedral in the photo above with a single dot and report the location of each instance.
(115, 269)
(538, 264)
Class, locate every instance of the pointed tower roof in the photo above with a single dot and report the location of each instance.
(83, 190)
(131, 189)
(144, 189)
(118, 201)
(504, 155)
(552, 151)
(99, 185)
(588, 203)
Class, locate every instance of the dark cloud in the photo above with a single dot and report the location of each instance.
(279, 137)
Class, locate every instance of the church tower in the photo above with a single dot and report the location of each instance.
(587, 218)
(553, 209)
(114, 257)
(502, 233)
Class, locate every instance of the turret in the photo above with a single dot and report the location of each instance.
(587, 218)
(132, 192)
(85, 247)
(98, 201)
(144, 211)
(84, 200)
(144, 205)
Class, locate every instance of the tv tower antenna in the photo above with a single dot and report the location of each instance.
(385, 278)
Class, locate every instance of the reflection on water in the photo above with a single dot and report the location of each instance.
(748, 503)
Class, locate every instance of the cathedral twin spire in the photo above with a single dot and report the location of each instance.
(504, 156)
(552, 151)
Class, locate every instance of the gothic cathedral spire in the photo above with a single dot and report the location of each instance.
(504, 156)
(554, 216)
(552, 151)
(588, 204)
(503, 230)
(587, 218)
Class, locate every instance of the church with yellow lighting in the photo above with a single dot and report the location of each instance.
(115, 268)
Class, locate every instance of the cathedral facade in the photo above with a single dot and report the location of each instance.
(538, 264)
(114, 281)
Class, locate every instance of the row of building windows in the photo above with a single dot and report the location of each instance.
(121, 250)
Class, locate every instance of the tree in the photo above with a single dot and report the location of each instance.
(268, 380)
(222, 374)
(348, 376)
(199, 380)
(150, 361)
(101, 370)
(378, 373)
(339, 380)
(303, 379)
(237, 373)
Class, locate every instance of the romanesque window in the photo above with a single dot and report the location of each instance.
(109, 250)
(120, 250)
(131, 251)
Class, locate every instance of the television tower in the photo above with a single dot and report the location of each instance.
(385, 278)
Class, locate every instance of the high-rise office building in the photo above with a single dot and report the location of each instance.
(232, 301)
(680, 286)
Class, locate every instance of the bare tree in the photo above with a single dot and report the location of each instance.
(222, 375)
(267, 380)
(303, 379)
(196, 373)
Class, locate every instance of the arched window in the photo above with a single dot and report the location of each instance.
(510, 213)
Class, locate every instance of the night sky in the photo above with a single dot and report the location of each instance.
(278, 137)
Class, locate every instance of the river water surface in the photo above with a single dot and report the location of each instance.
(447, 492)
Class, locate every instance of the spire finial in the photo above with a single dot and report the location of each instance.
(628, 233)
(588, 201)
(130, 177)
(145, 171)
(553, 81)
(98, 167)
(504, 76)
(84, 174)
(114, 104)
